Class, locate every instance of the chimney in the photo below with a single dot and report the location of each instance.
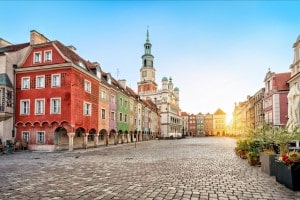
(4, 43)
(123, 83)
(37, 38)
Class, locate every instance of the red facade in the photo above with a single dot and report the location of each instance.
(56, 95)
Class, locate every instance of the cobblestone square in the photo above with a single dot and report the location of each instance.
(191, 168)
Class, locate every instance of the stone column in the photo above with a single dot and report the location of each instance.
(96, 139)
(85, 140)
(106, 137)
(71, 141)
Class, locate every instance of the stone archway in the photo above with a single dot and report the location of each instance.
(92, 139)
(103, 137)
(120, 137)
(112, 137)
(61, 139)
(127, 137)
(79, 137)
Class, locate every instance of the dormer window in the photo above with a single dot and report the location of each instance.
(37, 57)
(48, 56)
(81, 64)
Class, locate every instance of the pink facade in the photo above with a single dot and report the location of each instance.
(275, 98)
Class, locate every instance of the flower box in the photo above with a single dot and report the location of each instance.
(288, 175)
(268, 163)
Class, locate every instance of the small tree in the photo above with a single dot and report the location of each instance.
(283, 137)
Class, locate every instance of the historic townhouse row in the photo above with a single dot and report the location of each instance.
(205, 124)
(274, 103)
(63, 101)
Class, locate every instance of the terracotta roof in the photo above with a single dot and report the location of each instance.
(74, 57)
(132, 93)
(12, 48)
(219, 112)
(281, 81)
(184, 114)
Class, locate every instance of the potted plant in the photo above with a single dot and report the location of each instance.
(255, 146)
(269, 151)
(288, 163)
(288, 170)
(242, 148)
(267, 160)
(253, 158)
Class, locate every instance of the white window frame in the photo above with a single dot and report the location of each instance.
(48, 57)
(25, 136)
(103, 113)
(24, 111)
(113, 99)
(40, 137)
(87, 86)
(54, 110)
(112, 115)
(103, 94)
(37, 59)
(40, 82)
(54, 82)
(87, 109)
(39, 108)
(25, 83)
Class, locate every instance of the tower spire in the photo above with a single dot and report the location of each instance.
(147, 40)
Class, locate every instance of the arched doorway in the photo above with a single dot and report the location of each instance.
(127, 137)
(91, 138)
(112, 137)
(103, 137)
(120, 137)
(61, 139)
(79, 137)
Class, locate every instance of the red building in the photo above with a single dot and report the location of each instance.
(57, 97)
(192, 125)
(275, 98)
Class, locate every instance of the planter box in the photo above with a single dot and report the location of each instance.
(288, 176)
(268, 163)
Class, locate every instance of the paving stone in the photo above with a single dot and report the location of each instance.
(191, 168)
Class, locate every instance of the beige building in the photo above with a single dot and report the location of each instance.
(219, 122)
(208, 124)
(10, 56)
(258, 108)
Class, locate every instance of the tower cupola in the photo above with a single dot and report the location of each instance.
(147, 71)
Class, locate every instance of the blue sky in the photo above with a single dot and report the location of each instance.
(217, 52)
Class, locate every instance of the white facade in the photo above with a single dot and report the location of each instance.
(7, 61)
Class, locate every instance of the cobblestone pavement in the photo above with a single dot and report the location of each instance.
(191, 168)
